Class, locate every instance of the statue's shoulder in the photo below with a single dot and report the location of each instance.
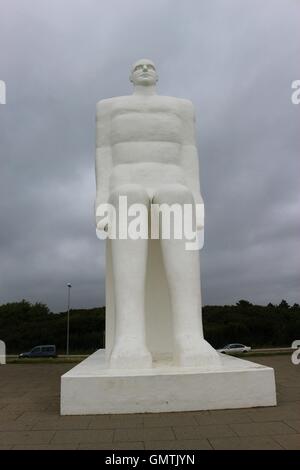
(104, 106)
(107, 105)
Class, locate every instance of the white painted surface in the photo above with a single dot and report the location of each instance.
(2, 352)
(93, 388)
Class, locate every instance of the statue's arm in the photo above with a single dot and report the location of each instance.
(190, 159)
(103, 162)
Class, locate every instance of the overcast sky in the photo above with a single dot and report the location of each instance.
(234, 59)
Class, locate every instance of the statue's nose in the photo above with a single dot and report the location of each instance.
(145, 68)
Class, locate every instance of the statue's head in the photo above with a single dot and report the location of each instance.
(143, 72)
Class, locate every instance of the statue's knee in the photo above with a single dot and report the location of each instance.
(133, 192)
(171, 194)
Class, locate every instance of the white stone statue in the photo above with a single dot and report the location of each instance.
(155, 357)
(146, 150)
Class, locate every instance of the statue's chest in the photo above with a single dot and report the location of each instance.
(145, 124)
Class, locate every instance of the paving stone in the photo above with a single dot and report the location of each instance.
(198, 432)
(63, 422)
(9, 415)
(30, 417)
(30, 403)
(113, 446)
(82, 437)
(3, 404)
(14, 426)
(144, 434)
(262, 429)
(278, 413)
(249, 443)
(289, 394)
(26, 437)
(295, 424)
(23, 407)
(226, 417)
(188, 444)
(289, 442)
(46, 447)
(116, 421)
(170, 419)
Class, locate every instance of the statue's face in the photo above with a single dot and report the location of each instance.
(144, 73)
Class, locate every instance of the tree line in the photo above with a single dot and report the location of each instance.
(24, 325)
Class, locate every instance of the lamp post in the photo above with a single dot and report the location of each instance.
(68, 318)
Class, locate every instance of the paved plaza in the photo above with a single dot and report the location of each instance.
(29, 417)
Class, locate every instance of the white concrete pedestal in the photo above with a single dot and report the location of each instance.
(92, 388)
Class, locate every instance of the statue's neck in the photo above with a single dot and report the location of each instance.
(144, 90)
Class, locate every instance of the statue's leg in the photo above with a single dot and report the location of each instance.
(183, 274)
(129, 258)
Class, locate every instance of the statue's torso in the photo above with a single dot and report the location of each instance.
(146, 139)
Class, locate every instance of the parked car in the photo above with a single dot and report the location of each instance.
(46, 350)
(235, 348)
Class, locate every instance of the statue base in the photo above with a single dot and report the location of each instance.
(92, 388)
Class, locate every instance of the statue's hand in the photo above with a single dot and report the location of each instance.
(102, 211)
(102, 225)
(102, 228)
(199, 216)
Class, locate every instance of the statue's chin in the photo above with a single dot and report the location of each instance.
(145, 81)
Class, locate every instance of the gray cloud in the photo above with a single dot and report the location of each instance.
(235, 60)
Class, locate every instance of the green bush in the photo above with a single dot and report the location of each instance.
(24, 325)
